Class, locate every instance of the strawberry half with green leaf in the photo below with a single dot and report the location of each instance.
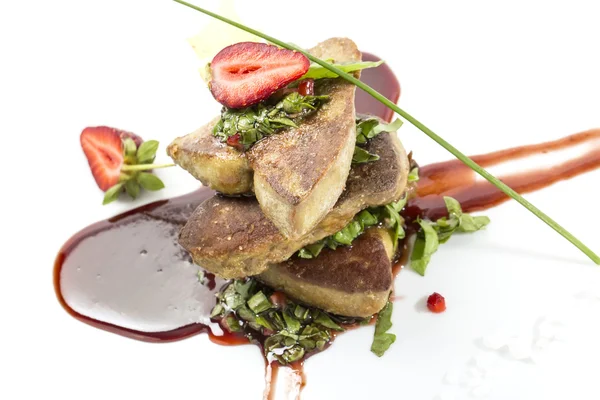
(117, 160)
(247, 73)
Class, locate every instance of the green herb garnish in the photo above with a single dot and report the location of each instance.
(387, 216)
(432, 234)
(290, 332)
(382, 340)
(368, 128)
(413, 176)
(317, 71)
(133, 179)
(362, 156)
(382, 99)
(261, 120)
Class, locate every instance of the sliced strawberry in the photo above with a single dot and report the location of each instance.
(103, 148)
(246, 73)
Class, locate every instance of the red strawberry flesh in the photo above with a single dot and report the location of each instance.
(436, 303)
(246, 73)
(103, 148)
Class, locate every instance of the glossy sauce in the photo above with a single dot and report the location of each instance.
(128, 275)
(454, 179)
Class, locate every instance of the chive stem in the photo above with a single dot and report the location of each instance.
(144, 167)
(453, 150)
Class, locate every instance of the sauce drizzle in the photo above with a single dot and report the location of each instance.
(104, 275)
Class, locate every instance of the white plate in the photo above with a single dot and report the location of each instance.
(483, 76)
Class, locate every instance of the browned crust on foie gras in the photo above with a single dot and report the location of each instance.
(212, 162)
(300, 173)
(353, 281)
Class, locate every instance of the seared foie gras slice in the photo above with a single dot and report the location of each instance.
(233, 238)
(300, 174)
(215, 164)
(352, 281)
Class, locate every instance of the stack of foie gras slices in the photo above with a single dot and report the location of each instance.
(294, 189)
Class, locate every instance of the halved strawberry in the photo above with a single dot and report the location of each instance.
(103, 148)
(246, 73)
(120, 161)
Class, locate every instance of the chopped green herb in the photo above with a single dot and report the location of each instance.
(259, 303)
(361, 156)
(413, 176)
(324, 320)
(290, 332)
(232, 324)
(383, 340)
(262, 120)
(368, 128)
(424, 247)
(318, 72)
(432, 234)
(387, 216)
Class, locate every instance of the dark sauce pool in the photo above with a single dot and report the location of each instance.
(129, 276)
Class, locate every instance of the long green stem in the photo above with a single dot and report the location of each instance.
(144, 167)
(453, 150)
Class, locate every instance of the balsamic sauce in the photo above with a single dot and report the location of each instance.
(128, 275)
(454, 179)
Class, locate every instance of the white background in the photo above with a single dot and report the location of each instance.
(484, 75)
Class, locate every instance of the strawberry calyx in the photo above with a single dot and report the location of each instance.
(136, 170)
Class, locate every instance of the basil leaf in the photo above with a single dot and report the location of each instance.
(424, 247)
(316, 71)
(150, 181)
(246, 289)
(413, 176)
(301, 313)
(469, 223)
(324, 320)
(366, 218)
(292, 354)
(291, 323)
(390, 127)
(217, 310)
(432, 234)
(259, 303)
(132, 188)
(364, 129)
(363, 156)
(370, 127)
(383, 340)
(147, 152)
(234, 300)
(112, 193)
(232, 324)
(453, 206)
(311, 250)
